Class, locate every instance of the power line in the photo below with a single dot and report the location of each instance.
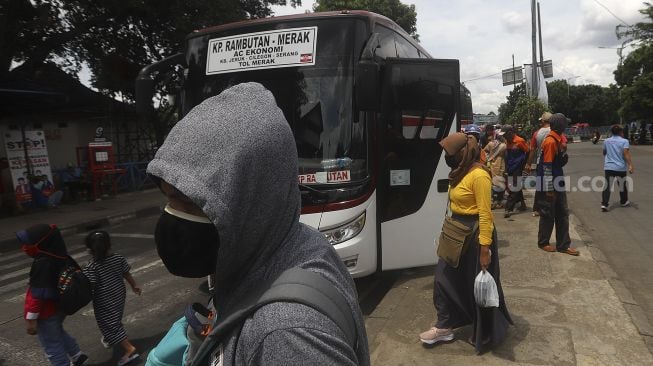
(613, 14)
(482, 77)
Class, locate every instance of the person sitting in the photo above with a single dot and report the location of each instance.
(74, 182)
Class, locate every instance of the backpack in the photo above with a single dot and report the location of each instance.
(293, 285)
(561, 156)
(75, 290)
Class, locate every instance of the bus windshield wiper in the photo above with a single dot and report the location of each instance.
(315, 195)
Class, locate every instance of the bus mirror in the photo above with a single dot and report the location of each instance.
(145, 82)
(367, 86)
(144, 94)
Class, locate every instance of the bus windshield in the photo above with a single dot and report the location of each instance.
(316, 99)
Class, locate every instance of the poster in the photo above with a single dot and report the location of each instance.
(39, 185)
(262, 50)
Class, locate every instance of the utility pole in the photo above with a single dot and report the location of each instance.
(534, 78)
(514, 77)
(539, 29)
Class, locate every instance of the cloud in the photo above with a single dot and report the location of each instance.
(484, 35)
(515, 22)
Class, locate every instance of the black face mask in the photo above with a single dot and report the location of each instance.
(187, 247)
(452, 161)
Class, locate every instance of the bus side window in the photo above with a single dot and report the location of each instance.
(387, 42)
(405, 48)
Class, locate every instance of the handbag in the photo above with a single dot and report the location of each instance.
(453, 242)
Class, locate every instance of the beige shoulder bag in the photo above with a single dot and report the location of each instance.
(453, 239)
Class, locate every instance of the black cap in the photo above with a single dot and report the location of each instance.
(558, 122)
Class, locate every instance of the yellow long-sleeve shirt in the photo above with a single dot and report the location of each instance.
(472, 196)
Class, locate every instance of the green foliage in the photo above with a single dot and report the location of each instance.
(402, 14)
(506, 109)
(635, 75)
(591, 104)
(637, 98)
(527, 111)
(114, 38)
(642, 31)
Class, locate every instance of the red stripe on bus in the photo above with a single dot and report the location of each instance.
(412, 121)
(337, 206)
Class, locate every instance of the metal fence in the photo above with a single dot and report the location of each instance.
(135, 177)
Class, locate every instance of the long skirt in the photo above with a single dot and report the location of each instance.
(453, 294)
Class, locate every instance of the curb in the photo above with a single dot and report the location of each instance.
(9, 244)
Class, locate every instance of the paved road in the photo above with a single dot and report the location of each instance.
(146, 318)
(623, 234)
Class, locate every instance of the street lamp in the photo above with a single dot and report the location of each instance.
(568, 79)
(619, 50)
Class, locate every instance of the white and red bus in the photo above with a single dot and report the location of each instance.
(367, 105)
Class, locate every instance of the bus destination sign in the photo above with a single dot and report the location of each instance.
(262, 50)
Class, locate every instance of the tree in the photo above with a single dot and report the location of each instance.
(642, 31)
(402, 14)
(506, 109)
(527, 111)
(560, 97)
(114, 38)
(593, 104)
(635, 75)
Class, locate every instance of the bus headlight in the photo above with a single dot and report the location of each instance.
(345, 232)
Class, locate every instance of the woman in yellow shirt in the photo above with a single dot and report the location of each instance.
(453, 294)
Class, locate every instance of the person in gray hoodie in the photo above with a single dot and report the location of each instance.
(229, 171)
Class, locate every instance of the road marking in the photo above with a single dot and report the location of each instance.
(80, 258)
(157, 263)
(26, 260)
(12, 256)
(23, 271)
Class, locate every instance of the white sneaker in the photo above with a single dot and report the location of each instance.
(604, 208)
(625, 204)
(435, 335)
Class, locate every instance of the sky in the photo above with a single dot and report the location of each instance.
(484, 34)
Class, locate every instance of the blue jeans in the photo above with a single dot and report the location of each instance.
(58, 345)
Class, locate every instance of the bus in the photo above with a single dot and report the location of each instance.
(466, 114)
(367, 105)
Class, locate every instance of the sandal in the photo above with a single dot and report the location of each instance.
(127, 359)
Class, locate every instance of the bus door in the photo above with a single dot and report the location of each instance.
(420, 100)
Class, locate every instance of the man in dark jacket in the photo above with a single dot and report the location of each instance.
(516, 153)
(229, 171)
(551, 180)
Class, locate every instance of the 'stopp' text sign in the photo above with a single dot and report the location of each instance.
(262, 50)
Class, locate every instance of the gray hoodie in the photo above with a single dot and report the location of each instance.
(234, 156)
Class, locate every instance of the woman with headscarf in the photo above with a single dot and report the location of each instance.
(453, 294)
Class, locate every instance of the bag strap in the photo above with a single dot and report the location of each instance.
(295, 285)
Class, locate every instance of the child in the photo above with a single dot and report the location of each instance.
(44, 243)
(106, 273)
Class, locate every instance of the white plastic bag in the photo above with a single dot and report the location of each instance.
(485, 290)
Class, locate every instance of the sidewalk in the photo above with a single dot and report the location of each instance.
(565, 310)
(75, 217)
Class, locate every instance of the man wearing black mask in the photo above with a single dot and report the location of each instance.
(552, 191)
(229, 171)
